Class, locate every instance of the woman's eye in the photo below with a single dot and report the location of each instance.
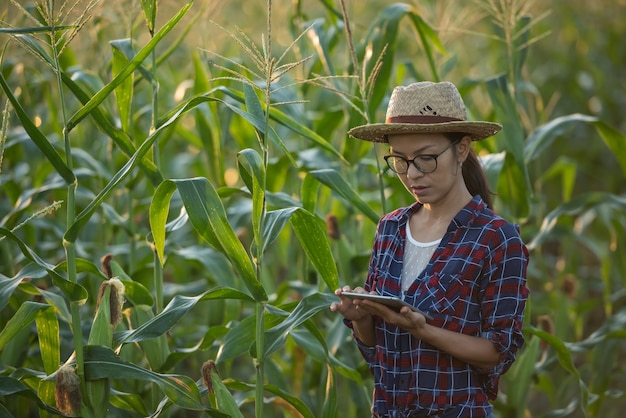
(425, 158)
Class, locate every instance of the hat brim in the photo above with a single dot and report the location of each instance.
(377, 132)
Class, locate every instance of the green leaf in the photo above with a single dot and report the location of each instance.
(158, 212)
(178, 307)
(149, 10)
(275, 114)
(311, 233)
(208, 217)
(565, 360)
(36, 29)
(512, 137)
(543, 136)
(614, 140)
(73, 291)
(137, 157)
(332, 179)
(156, 350)
(95, 101)
(306, 308)
(251, 163)
(225, 401)
(575, 206)
(25, 315)
(8, 285)
(300, 406)
(49, 340)
(241, 337)
(11, 387)
(103, 363)
(101, 331)
(331, 402)
(135, 292)
(493, 164)
(123, 92)
(102, 120)
(275, 222)
(521, 375)
(133, 402)
(38, 137)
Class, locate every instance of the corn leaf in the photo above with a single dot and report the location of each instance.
(332, 179)
(178, 307)
(23, 317)
(251, 164)
(103, 363)
(95, 101)
(149, 11)
(38, 137)
(73, 291)
(306, 308)
(49, 339)
(11, 387)
(208, 217)
(123, 92)
(311, 232)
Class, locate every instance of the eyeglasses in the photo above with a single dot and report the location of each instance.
(426, 163)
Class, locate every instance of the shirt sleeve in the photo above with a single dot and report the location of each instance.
(504, 301)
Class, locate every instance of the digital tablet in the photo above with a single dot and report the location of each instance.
(391, 301)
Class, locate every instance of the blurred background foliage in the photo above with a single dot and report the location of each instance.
(560, 62)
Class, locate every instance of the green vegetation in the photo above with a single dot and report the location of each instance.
(192, 159)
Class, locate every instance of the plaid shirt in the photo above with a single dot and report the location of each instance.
(474, 284)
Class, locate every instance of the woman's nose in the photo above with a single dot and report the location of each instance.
(413, 172)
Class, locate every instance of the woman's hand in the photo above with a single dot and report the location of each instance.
(406, 319)
(350, 308)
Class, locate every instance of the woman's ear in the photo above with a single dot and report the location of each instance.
(463, 148)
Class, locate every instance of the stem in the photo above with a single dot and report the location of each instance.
(70, 250)
(158, 270)
(260, 349)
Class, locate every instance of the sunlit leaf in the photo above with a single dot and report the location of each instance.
(124, 91)
(207, 214)
(49, 339)
(331, 178)
(311, 233)
(103, 363)
(23, 317)
(149, 10)
(251, 163)
(128, 70)
(306, 308)
(40, 140)
(178, 307)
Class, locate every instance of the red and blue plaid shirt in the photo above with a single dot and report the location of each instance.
(475, 284)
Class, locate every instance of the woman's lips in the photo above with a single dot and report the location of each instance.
(418, 189)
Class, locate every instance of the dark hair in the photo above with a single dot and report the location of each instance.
(473, 173)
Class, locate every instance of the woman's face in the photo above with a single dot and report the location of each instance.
(429, 151)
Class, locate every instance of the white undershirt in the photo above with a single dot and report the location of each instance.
(416, 257)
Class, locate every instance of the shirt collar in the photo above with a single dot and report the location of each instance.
(463, 218)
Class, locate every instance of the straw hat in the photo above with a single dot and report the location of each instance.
(425, 107)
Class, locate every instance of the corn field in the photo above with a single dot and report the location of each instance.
(179, 197)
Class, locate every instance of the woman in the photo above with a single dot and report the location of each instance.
(449, 256)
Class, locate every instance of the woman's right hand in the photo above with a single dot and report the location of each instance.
(347, 307)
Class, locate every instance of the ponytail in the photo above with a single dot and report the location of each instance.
(473, 173)
(475, 178)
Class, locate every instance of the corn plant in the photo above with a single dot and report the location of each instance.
(173, 224)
